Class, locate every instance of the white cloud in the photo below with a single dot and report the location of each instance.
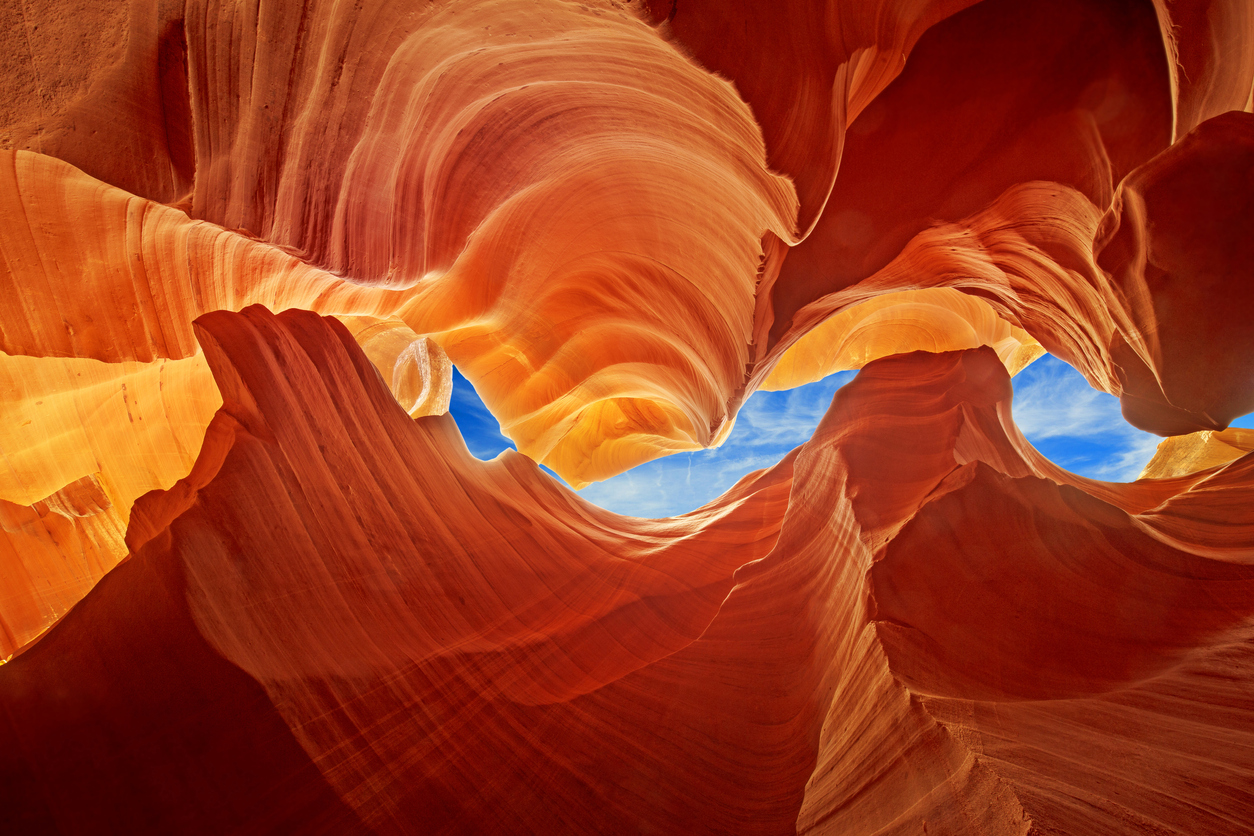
(1127, 465)
(1055, 400)
(787, 417)
(1077, 426)
(769, 425)
(629, 494)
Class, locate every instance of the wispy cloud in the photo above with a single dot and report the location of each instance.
(769, 419)
(1128, 464)
(769, 425)
(638, 492)
(1054, 400)
(1077, 426)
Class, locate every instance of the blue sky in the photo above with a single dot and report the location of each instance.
(1070, 422)
(1077, 426)
(767, 427)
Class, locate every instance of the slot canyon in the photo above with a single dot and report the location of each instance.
(253, 581)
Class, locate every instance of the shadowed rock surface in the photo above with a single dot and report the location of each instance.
(252, 581)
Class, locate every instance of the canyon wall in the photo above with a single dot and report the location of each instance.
(251, 579)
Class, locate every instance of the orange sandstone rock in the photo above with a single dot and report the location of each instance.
(859, 639)
(1185, 454)
(619, 219)
(51, 553)
(807, 70)
(442, 163)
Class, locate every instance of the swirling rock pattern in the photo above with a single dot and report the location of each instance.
(251, 580)
(822, 647)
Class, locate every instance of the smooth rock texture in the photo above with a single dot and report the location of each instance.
(822, 647)
(252, 581)
(1184, 454)
(511, 177)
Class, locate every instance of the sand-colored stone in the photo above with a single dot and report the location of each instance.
(254, 581)
(932, 319)
(859, 639)
(1184, 454)
(411, 180)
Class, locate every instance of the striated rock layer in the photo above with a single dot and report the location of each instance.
(911, 619)
(314, 611)
(597, 229)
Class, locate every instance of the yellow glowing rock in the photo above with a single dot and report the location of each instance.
(1185, 454)
(92, 271)
(416, 369)
(51, 553)
(584, 211)
(138, 425)
(936, 319)
(82, 440)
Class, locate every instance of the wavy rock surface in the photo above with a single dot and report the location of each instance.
(281, 594)
(861, 639)
(930, 319)
(1185, 454)
(1052, 226)
(420, 165)
(101, 374)
(51, 554)
(516, 128)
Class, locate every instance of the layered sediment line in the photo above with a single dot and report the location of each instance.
(884, 629)
(251, 580)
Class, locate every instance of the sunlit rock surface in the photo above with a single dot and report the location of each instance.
(251, 580)
(1184, 454)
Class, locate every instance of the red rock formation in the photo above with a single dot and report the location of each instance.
(508, 591)
(845, 642)
(619, 219)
